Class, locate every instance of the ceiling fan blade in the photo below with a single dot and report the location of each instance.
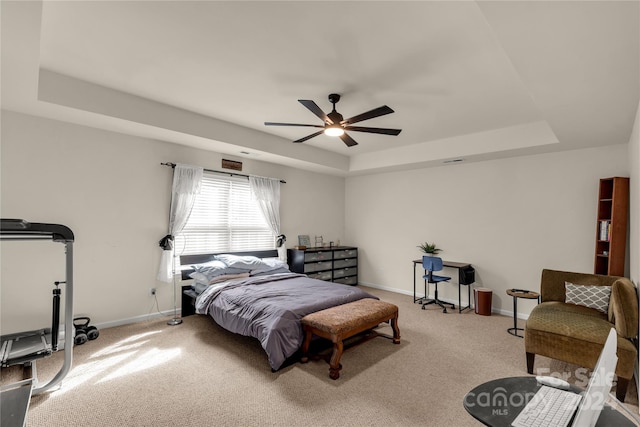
(309, 136)
(348, 140)
(376, 112)
(290, 124)
(384, 131)
(313, 107)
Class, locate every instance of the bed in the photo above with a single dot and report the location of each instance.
(256, 295)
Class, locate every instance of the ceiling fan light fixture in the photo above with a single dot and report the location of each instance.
(335, 130)
(335, 125)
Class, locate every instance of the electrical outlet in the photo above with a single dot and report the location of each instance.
(152, 292)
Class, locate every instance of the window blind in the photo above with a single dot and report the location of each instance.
(224, 218)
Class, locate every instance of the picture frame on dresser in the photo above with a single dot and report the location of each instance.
(304, 240)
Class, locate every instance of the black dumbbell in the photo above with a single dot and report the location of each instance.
(84, 332)
(92, 332)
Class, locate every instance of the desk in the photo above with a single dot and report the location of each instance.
(462, 280)
(497, 403)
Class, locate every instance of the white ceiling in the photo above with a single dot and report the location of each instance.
(467, 79)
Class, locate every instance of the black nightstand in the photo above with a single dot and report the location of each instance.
(188, 301)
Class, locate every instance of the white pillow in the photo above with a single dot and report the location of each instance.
(215, 268)
(269, 265)
(199, 277)
(245, 262)
(588, 296)
(211, 264)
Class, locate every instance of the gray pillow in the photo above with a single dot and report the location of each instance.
(212, 269)
(588, 296)
(226, 277)
(266, 272)
(269, 264)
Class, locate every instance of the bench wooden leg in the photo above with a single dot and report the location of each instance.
(305, 345)
(396, 329)
(334, 364)
(324, 330)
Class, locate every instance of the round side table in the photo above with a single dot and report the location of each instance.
(518, 293)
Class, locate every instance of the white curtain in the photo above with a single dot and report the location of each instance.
(186, 186)
(266, 191)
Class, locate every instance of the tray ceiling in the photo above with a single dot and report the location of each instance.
(470, 80)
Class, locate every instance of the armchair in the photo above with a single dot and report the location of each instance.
(575, 333)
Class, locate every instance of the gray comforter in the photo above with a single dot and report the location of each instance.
(270, 307)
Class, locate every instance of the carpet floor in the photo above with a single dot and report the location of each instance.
(196, 373)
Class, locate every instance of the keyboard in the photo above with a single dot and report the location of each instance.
(550, 407)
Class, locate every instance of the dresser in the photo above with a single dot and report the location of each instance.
(337, 264)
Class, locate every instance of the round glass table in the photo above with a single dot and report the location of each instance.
(497, 403)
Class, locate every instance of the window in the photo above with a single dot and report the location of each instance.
(224, 218)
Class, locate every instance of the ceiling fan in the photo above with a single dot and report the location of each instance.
(336, 125)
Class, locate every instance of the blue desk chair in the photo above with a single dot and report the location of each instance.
(431, 264)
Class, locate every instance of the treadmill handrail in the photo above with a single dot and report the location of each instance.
(20, 227)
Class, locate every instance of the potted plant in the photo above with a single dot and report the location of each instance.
(429, 248)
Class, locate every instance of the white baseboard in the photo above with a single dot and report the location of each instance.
(169, 313)
(448, 300)
(143, 318)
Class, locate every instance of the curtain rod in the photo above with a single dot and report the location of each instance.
(173, 165)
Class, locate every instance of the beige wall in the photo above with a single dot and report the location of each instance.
(510, 218)
(634, 185)
(634, 212)
(111, 190)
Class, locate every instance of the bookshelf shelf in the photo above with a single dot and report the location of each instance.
(611, 226)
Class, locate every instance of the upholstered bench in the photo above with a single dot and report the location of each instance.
(344, 321)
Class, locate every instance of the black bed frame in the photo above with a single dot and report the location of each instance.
(187, 261)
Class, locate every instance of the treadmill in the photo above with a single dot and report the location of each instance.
(26, 347)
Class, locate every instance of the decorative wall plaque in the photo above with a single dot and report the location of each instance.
(231, 164)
